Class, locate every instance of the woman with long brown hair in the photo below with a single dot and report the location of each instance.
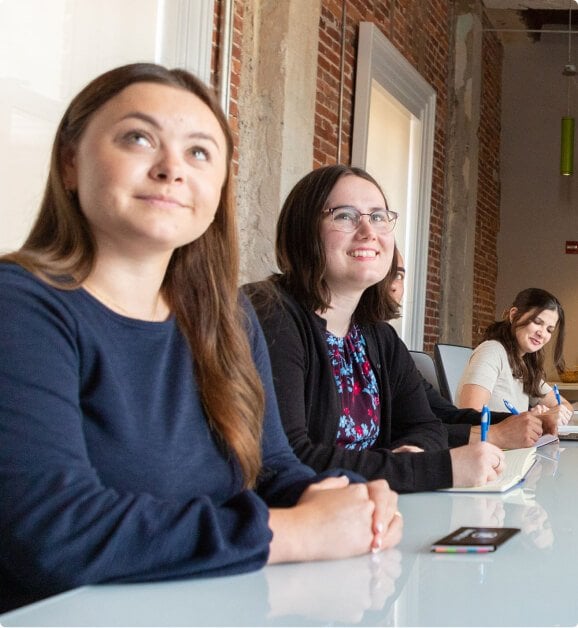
(140, 433)
(509, 363)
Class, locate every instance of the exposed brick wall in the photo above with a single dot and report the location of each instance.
(488, 210)
(420, 30)
(235, 78)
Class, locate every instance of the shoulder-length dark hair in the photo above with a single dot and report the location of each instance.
(301, 255)
(200, 284)
(530, 367)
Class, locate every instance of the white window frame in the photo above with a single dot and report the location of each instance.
(186, 38)
(378, 60)
(180, 36)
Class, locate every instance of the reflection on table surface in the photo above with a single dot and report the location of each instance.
(530, 580)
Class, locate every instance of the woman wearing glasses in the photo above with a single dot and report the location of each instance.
(348, 391)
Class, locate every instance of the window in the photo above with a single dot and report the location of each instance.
(393, 132)
(49, 50)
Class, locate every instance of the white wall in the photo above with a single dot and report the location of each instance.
(539, 207)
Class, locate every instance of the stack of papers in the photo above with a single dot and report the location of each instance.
(568, 432)
(568, 429)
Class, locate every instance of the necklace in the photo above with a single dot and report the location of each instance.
(119, 309)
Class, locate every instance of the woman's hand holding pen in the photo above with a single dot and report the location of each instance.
(565, 415)
(476, 464)
(558, 415)
(539, 409)
(518, 430)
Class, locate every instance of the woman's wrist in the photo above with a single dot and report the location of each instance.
(288, 543)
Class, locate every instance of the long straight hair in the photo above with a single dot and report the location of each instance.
(530, 367)
(201, 282)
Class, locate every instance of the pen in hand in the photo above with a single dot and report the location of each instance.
(485, 423)
(557, 393)
(510, 407)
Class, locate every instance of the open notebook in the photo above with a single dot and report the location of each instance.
(545, 439)
(518, 463)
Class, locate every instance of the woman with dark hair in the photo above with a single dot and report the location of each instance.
(348, 391)
(509, 431)
(509, 363)
(140, 434)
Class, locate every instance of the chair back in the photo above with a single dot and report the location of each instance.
(450, 361)
(426, 366)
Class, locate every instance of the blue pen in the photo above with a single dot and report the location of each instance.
(485, 423)
(557, 393)
(510, 407)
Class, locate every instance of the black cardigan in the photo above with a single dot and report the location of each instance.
(310, 405)
(458, 421)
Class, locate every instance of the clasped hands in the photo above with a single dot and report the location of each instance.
(353, 518)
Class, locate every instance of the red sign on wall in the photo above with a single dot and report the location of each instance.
(572, 246)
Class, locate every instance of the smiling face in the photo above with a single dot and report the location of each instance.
(535, 330)
(362, 258)
(149, 169)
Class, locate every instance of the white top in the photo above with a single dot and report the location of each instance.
(489, 368)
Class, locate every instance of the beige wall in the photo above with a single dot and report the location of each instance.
(539, 209)
(277, 109)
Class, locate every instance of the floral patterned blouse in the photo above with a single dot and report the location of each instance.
(357, 388)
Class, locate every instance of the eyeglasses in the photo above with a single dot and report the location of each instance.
(348, 219)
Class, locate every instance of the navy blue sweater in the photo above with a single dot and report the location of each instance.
(108, 469)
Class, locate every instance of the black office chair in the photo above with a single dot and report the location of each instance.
(426, 366)
(450, 361)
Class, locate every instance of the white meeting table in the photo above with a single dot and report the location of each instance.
(531, 580)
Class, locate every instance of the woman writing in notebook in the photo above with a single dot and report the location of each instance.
(140, 434)
(508, 366)
(463, 424)
(348, 390)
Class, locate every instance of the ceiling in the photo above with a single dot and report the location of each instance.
(520, 5)
(532, 14)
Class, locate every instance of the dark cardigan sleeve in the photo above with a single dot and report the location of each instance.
(458, 421)
(309, 408)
